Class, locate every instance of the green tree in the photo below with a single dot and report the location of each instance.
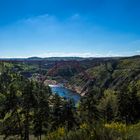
(41, 110)
(56, 112)
(128, 104)
(69, 114)
(88, 106)
(108, 106)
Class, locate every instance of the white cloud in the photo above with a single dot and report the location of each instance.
(66, 54)
(44, 17)
(76, 54)
(72, 34)
(75, 16)
(138, 51)
(57, 54)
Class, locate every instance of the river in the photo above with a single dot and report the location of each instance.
(64, 92)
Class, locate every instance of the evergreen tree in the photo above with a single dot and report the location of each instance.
(56, 112)
(68, 112)
(88, 107)
(128, 105)
(27, 106)
(41, 110)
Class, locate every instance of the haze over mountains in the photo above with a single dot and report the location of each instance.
(66, 58)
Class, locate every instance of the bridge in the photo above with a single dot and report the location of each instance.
(86, 79)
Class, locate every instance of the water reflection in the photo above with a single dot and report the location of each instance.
(64, 92)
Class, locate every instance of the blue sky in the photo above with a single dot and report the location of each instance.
(84, 28)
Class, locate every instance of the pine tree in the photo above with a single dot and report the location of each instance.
(41, 110)
(88, 107)
(68, 112)
(56, 112)
(27, 105)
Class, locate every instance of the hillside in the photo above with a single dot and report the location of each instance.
(106, 72)
(109, 104)
(114, 74)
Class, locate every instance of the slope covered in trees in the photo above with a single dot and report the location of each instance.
(109, 110)
(29, 108)
(112, 74)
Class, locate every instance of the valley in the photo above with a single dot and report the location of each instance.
(56, 98)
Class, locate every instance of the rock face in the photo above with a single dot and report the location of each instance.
(74, 88)
(51, 82)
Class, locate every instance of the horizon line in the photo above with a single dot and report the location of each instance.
(86, 57)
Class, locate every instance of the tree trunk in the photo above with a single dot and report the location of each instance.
(26, 133)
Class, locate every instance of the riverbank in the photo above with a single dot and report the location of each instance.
(76, 89)
(73, 88)
(51, 82)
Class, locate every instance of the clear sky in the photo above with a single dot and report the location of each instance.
(85, 28)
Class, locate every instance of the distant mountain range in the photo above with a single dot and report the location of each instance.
(47, 58)
(64, 58)
(56, 58)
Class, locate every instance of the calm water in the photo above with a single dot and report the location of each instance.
(64, 92)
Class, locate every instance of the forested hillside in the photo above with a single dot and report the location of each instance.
(112, 74)
(108, 109)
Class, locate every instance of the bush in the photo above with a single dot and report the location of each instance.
(112, 131)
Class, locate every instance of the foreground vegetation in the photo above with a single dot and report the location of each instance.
(112, 131)
(108, 111)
